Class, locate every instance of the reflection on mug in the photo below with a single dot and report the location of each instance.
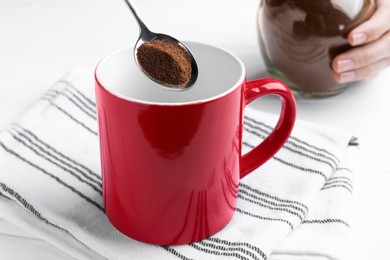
(169, 130)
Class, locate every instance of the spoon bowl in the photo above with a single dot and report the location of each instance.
(148, 36)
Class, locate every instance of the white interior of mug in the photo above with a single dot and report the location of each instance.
(220, 72)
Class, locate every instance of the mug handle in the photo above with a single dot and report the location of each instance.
(266, 149)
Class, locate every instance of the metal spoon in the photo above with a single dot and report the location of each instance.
(147, 36)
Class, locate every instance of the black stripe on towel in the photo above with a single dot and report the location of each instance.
(326, 221)
(4, 196)
(68, 159)
(257, 202)
(59, 157)
(269, 196)
(31, 209)
(331, 160)
(50, 94)
(70, 116)
(331, 164)
(78, 91)
(58, 180)
(91, 109)
(337, 186)
(295, 139)
(265, 218)
(175, 253)
(339, 180)
(75, 99)
(291, 164)
(218, 253)
(78, 99)
(247, 250)
(71, 99)
(297, 144)
(96, 188)
(344, 169)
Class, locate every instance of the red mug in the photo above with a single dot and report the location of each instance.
(168, 158)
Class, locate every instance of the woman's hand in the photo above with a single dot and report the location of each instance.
(372, 52)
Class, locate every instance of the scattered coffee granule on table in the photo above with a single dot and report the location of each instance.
(166, 62)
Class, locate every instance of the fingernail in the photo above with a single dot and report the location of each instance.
(347, 76)
(344, 65)
(359, 38)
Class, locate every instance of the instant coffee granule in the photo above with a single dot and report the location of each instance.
(166, 62)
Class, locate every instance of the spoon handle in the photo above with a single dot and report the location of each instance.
(145, 33)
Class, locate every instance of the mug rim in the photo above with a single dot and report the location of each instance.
(231, 89)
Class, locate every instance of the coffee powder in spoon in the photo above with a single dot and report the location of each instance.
(166, 62)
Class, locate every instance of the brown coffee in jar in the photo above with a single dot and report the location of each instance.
(300, 38)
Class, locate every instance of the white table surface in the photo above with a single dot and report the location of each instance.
(41, 39)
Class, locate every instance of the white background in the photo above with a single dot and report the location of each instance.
(41, 39)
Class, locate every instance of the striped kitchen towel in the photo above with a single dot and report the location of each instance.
(296, 206)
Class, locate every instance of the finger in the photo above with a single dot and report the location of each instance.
(363, 56)
(362, 73)
(372, 29)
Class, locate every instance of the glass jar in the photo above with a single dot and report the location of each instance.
(300, 38)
